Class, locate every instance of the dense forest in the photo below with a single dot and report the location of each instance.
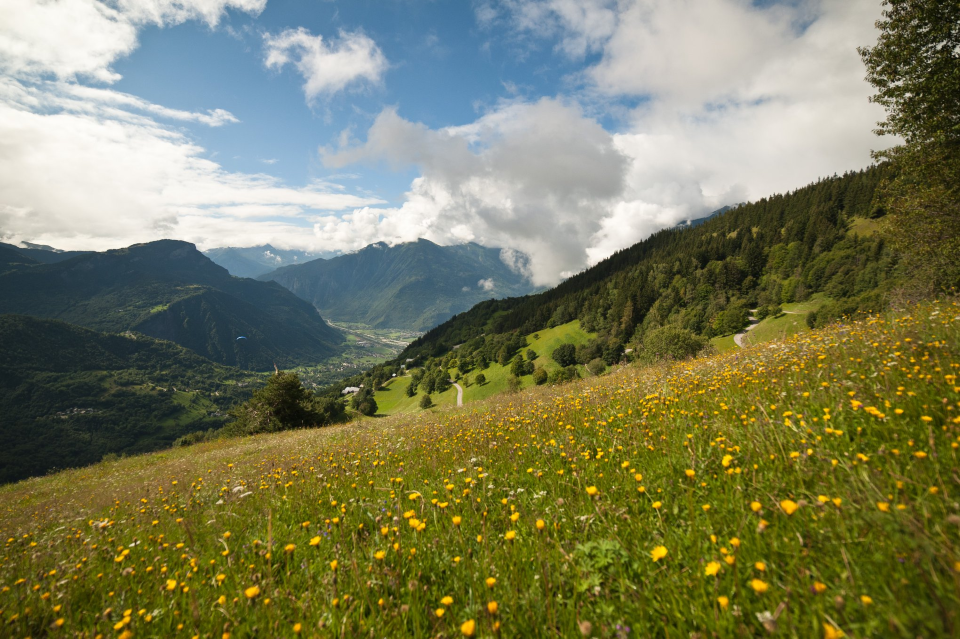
(703, 280)
(70, 396)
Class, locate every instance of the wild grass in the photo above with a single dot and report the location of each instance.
(806, 487)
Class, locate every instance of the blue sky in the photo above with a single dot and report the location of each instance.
(562, 129)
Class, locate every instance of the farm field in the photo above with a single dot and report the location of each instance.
(806, 486)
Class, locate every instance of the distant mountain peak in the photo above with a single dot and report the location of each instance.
(412, 285)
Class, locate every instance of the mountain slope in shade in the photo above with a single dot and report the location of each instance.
(169, 290)
(42, 253)
(11, 259)
(412, 286)
(69, 395)
(254, 261)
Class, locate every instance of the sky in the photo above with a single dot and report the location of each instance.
(564, 130)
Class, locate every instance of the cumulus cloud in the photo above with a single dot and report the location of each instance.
(93, 168)
(326, 66)
(536, 178)
(72, 38)
(486, 284)
(81, 179)
(737, 101)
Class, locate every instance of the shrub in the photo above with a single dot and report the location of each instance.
(480, 379)
(540, 376)
(597, 366)
(513, 383)
(426, 402)
(670, 342)
(563, 375)
(565, 355)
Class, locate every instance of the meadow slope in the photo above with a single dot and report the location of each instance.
(807, 487)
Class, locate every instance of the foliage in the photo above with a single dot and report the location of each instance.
(597, 366)
(426, 402)
(540, 376)
(689, 499)
(670, 342)
(565, 355)
(915, 68)
(480, 379)
(284, 404)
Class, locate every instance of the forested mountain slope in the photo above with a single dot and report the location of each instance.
(69, 395)
(413, 286)
(703, 279)
(168, 289)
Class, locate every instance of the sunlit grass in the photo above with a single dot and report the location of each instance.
(806, 487)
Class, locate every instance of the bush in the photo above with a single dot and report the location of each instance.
(540, 376)
(513, 383)
(597, 366)
(531, 354)
(521, 367)
(283, 404)
(563, 375)
(480, 379)
(426, 402)
(565, 355)
(670, 342)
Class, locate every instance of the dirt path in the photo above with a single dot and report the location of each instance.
(738, 338)
(459, 393)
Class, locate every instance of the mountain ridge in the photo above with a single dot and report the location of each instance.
(414, 285)
(145, 287)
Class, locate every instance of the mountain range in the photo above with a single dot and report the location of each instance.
(169, 290)
(253, 261)
(414, 286)
(697, 280)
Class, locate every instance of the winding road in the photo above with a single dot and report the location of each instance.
(459, 393)
(738, 338)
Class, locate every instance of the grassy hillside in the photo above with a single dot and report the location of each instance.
(393, 399)
(807, 486)
(69, 396)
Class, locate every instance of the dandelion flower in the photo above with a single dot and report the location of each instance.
(592, 491)
(492, 607)
(759, 586)
(712, 568)
(789, 506)
(723, 601)
(468, 628)
(658, 553)
(252, 592)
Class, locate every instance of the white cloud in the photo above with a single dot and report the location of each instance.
(326, 67)
(580, 26)
(86, 173)
(536, 178)
(71, 38)
(486, 284)
(738, 102)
